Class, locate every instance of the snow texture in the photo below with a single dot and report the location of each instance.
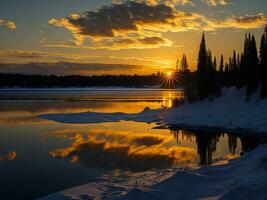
(244, 178)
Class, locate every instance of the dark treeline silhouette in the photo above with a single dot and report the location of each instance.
(207, 143)
(44, 81)
(245, 69)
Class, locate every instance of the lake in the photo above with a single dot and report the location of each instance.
(39, 157)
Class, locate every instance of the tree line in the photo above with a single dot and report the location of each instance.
(46, 81)
(246, 69)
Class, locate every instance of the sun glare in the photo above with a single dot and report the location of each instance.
(169, 74)
(169, 79)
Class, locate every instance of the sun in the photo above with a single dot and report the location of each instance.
(169, 74)
(170, 79)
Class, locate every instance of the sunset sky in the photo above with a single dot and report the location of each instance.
(119, 37)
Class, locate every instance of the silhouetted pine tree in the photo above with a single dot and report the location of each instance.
(252, 72)
(184, 64)
(249, 69)
(230, 64)
(263, 63)
(234, 62)
(244, 62)
(226, 70)
(215, 64)
(207, 82)
(202, 69)
(221, 65)
(238, 62)
(210, 64)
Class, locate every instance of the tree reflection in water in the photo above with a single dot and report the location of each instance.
(207, 142)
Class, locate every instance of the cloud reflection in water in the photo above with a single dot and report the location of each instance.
(123, 151)
(9, 156)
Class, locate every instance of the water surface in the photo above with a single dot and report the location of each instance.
(38, 157)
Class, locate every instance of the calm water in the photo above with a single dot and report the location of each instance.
(38, 157)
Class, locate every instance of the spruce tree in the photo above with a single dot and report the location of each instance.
(221, 65)
(252, 67)
(214, 64)
(234, 62)
(263, 63)
(226, 70)
(238, 62)
(230, 64)
(202, 69)
(184, 64)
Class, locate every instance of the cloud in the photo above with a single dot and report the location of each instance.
(129, 23)
(9, 24)
(245, 22)
(155, 2)
(36, 54)
(122, 151)
(141, 24)
(38, 60)
(69, 68)
(216, 2)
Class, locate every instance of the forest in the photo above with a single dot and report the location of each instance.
(48, 81)
(246, 69)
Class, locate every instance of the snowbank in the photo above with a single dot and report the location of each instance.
(244, 178)
(229, 112)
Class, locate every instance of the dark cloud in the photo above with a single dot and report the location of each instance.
(67, 68)
(113, 26)
(35, 54)
(146, 20)
(123, 17)
(152, 40)
(244, 22)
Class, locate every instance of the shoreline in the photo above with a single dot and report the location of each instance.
(238, 179)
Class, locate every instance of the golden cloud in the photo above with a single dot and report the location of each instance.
(246, 22)
(216, 2)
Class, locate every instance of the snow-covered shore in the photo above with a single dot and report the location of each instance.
(230, 112)
(243, 178)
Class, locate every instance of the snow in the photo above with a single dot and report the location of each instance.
(244, 178)
(230, 112)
